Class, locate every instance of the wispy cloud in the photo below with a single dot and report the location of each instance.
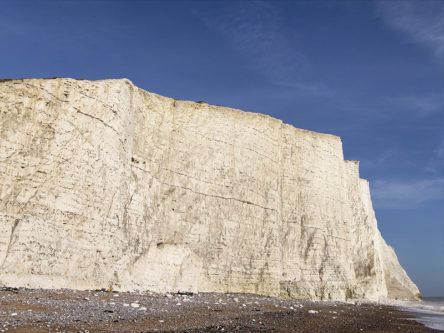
(418, 105)
(421, 22)
(254, 29)
(439, 152)
(380, 160)
(407, 194)
(436, 162)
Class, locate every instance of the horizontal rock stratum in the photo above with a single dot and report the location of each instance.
(103, 184)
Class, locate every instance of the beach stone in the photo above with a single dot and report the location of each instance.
(106, 186)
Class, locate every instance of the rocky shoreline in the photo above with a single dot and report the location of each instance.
(63, 310)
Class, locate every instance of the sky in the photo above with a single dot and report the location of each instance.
(371, 72)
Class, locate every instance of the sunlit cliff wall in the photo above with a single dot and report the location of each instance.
(103, 184)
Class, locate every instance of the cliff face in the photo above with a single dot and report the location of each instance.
(103, 184)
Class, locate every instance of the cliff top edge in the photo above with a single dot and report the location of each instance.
(200, 103)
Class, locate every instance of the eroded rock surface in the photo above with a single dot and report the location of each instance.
(103, 184)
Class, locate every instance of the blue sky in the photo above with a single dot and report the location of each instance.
(370, 72)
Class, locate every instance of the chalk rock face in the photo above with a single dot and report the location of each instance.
(103, 184)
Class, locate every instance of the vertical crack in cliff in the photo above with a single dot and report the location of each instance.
(11, 237)
(78, 110)
(281, 233)
(104, 123)
(96, 118)
(46, 91)
(100, 101)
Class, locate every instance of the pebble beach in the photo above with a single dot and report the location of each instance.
(36, 310)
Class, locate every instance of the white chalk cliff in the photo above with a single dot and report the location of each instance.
(103, 184)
